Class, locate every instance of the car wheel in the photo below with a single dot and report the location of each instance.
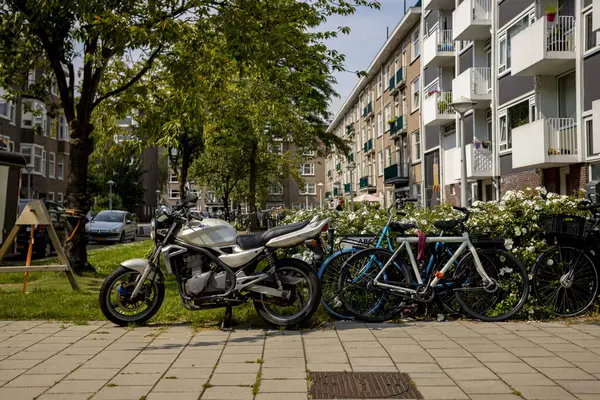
(122, 238)
(134, 236)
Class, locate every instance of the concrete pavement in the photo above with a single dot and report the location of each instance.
(446, 360)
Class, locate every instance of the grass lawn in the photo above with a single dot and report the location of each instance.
(49, 295)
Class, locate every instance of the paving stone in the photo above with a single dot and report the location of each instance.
(8, 374)
(243, 349)
(414, 367)
(435, 353)
(442, 392)
(581, 356)
(547, 362)
(431, 379)
(179, 385)
(559, 347)
(283, 386)
(536, 379)
(202, 354)
(366, 352)
(169, 396)
(581, 387)
(54, 368)
(32, 355)
(318, 367)
(510, 368)
(233, 379)
(18, 364)
(532, 352)
(145, 368)
(135, 379)
(371, 362)
(21, 393)
(439, 344)
(239, 358)
(591, 367)
(228, 393)
(151, 359)
(459, 362)
(237, 368)
(545, 393)
(284, 362)
(65, 396)
(283, 373)
(411, 357)
(80, 386)
(122, 392)
(484, 387)
(35, 380)
(90, 374)
(565, 373)
(471, 374)
(194, 363)
(190, 373)
(497, 357)
(279, 396)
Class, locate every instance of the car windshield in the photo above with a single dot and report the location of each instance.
(109, 217)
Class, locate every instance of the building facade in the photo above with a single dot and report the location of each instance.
(381, 119)
(27, 127)
(532, 81)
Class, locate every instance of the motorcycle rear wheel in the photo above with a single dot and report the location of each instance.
(119, 309)
(308, 295)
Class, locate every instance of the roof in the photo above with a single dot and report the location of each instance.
(411, 17)
(10, 159)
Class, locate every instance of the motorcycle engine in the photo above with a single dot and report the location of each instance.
(201, 277)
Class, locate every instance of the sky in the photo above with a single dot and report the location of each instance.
(368, 34)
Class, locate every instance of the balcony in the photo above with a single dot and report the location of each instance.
(474, 84)
(368, 146)
(436, 108)
(545, 143)
(398, 126)
(397, 81)
(368, 111)
(472, 20)
(439, 49)
(349, 129)
(544, 48)
(438, 4)
(479, 163)
(366, 183)
(346, 188)
(396, 174)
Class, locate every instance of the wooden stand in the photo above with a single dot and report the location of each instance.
(35, 213)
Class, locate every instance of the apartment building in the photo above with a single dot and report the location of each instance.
(382, 120)
(27, 127)
(533, 82)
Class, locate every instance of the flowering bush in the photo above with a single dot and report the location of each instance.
(515, 218)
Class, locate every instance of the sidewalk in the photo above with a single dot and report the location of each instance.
(447, 360)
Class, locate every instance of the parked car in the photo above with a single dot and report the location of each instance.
(112, 226)
(42, 246)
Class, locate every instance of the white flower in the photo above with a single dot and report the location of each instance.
(517, 231)
(508, 243)
(423, 222)
(524, 231)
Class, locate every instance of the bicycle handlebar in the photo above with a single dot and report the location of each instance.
(463, 210)
(587, 205)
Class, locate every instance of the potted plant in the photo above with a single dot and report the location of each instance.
(476, 144)
(551, 12)
(486, 144)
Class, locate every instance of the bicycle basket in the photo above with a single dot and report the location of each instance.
(561, 227)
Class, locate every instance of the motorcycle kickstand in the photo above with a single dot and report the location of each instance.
(226, 325)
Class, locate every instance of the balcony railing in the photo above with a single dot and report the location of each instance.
(400, 76)
(346, 188)
(364, 182)
(560, 35)
(368, 110)
(395, 172)
(482, 9)
(444, 40)
(351, 157)
(481, 79)
(335, 191)
(349, 129)
(562, 136)
(398, 125)
(392, 84)
(481, 160)
(442, 101)
(368, 146)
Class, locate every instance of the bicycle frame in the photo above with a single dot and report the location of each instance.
(406, 242)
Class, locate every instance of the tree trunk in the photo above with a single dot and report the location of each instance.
(185, 164)
(80, 149)
(252, 187)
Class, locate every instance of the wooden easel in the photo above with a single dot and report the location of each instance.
(36, 213)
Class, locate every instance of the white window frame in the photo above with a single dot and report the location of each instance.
(587, 122)
(380, 163)
(388, 156)
(50, 196)
(416, 145)
(211, 197)
(35, 152)
(63, 129)
(173, 194)
(9, 107)
(60, 197)
(416, 46)
(310, 171)
(309, 153)
(380, 124)
(503, 68)
(60, 172)
(51, 165)
(379, 84)
(415, 87)
(387, 76)
(388, 116)
(309, 189)
(36, 120)
(586, 15)
(275, 190)
(173, 177)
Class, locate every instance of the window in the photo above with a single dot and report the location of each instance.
(517, 115)
(502, 55)
(388, 156)
(6, 143)
(50, 196)
(504, 43)
(275, 190)
(363, 137)
(51, 165)
(388, 116)
(173, 177)
(404, 103)
(7, 108)
(61, 167)
(309, 189)
(54, 86)
(379, 85)
(379, 124)
(211, 197)
(59, 197)
(591, 37)
(387, 73)
(34, 155)
(296, 206)
(380, 162)
(416, 88)
(567, 95)
(308, 169)
(589, 134)
(397, 65)
(397, 106)
(276, 148)
(416, 48)
(63, 131)
(417, 191)
(34, 115)
(309, 153)
(416, 145)
(173, 193)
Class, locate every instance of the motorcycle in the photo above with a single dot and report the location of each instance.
(214, 268)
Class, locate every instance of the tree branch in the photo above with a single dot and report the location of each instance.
(133, 80)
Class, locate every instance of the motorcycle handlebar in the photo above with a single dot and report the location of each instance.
(587, 205)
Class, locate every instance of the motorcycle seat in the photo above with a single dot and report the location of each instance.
(254, 240)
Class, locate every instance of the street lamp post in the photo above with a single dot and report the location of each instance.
(157, 197)
(110, 185)
(29, 168)
(351, 167)
(320, 185)
(462, 106)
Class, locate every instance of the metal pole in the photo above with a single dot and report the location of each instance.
(320, 197)
(110, 197)
(307, 200)
(351, 193)
(463, 165)
(29, 185)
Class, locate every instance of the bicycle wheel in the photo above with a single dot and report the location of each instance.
(360, 297)
(567, 289)
(505, 300)
(329, 273)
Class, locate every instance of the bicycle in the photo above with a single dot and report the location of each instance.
(475, 281)
(565, 277)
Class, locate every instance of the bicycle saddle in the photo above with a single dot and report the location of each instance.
(446, 224)
(400, 227)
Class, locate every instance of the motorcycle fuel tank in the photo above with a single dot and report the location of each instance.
(210, 232)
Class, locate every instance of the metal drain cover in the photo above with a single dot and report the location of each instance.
(362, 385)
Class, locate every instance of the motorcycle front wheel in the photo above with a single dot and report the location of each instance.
(304, 295)
(116, 302)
